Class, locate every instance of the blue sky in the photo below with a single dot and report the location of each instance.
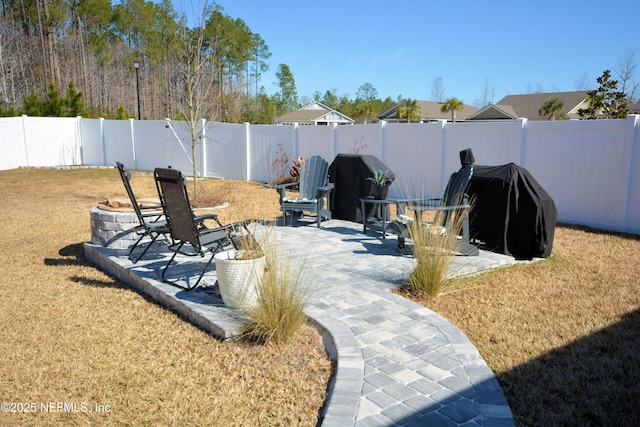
(401, 47)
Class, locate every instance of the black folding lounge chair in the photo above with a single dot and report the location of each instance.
(190, 236)
(150, 216)
(453, 201)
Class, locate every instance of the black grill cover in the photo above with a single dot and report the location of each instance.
(349, 173)
(511, 212)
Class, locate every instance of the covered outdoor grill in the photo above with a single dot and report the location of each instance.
(349, 173)
(512, 214)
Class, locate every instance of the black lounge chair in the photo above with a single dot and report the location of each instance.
(189, 234)
(150, 216)
(453, 202)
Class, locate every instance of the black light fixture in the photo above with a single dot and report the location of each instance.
(136, 65)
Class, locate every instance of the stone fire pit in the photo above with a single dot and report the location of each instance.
(114, 229)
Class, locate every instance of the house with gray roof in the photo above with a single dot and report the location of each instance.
(512, 107)
(430, 111)
(314, 114)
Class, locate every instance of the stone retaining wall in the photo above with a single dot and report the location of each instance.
(113, 229)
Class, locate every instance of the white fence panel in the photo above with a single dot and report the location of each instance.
(12, 144)
(52, 141)
(226, 151)
(93, 152)
(118, 143)
(493, 143)
(264, 143)
(579, 164)
(632, 136)
(413, 151)
(172, 143)
(359, 139)
(156, 145)
(315, 141)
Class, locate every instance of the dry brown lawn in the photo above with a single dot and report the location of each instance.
(70, 334)
(562, 335)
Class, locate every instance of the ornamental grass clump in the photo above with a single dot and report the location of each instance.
(434, 246)
(251, 239)
(282, 298)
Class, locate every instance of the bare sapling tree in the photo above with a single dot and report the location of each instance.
(486, 97)
(627, 65)
(196, 83)
(437, 90)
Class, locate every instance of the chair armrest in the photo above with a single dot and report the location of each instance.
(155, 213)
(448, 208)
(151, 211)
(440, 208)
(327, 187)
(150, 207)
(205, 217)
(281, 188)
(200, 219)
(410, 203)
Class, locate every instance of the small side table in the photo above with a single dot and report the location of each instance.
(383, 206)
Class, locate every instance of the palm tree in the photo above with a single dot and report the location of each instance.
(551, 108)
(363, 109)
(453, 105)
(409, 109)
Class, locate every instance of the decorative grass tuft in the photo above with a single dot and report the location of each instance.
(282, 297)
(434, 246)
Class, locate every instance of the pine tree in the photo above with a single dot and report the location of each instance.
(606, 102)
(73, 101)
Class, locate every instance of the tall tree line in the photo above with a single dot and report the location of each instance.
(93, 43)
(76, 57)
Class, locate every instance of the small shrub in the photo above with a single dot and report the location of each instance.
(381, 178)
(278, 168)
(434, 246)
(279, 310)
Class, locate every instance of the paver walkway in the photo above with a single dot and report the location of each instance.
(398, 363)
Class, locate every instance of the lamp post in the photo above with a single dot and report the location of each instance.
(136, 65)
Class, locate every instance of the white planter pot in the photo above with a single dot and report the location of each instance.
(239, 279)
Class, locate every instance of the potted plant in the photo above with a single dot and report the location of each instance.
(381, 181)
(240, 270)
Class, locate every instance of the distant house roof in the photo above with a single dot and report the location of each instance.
(512, 107)
(314, 114)
(430, 111)
(495, 112)
(634, 108)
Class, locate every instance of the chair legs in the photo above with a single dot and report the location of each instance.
(292, 214)
(176, 284)
(176, 250)
(135, 259)
(320, 215)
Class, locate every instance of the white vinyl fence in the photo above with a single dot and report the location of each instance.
(591, 168)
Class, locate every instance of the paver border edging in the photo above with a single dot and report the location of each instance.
(345, 387)
(155, 293)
